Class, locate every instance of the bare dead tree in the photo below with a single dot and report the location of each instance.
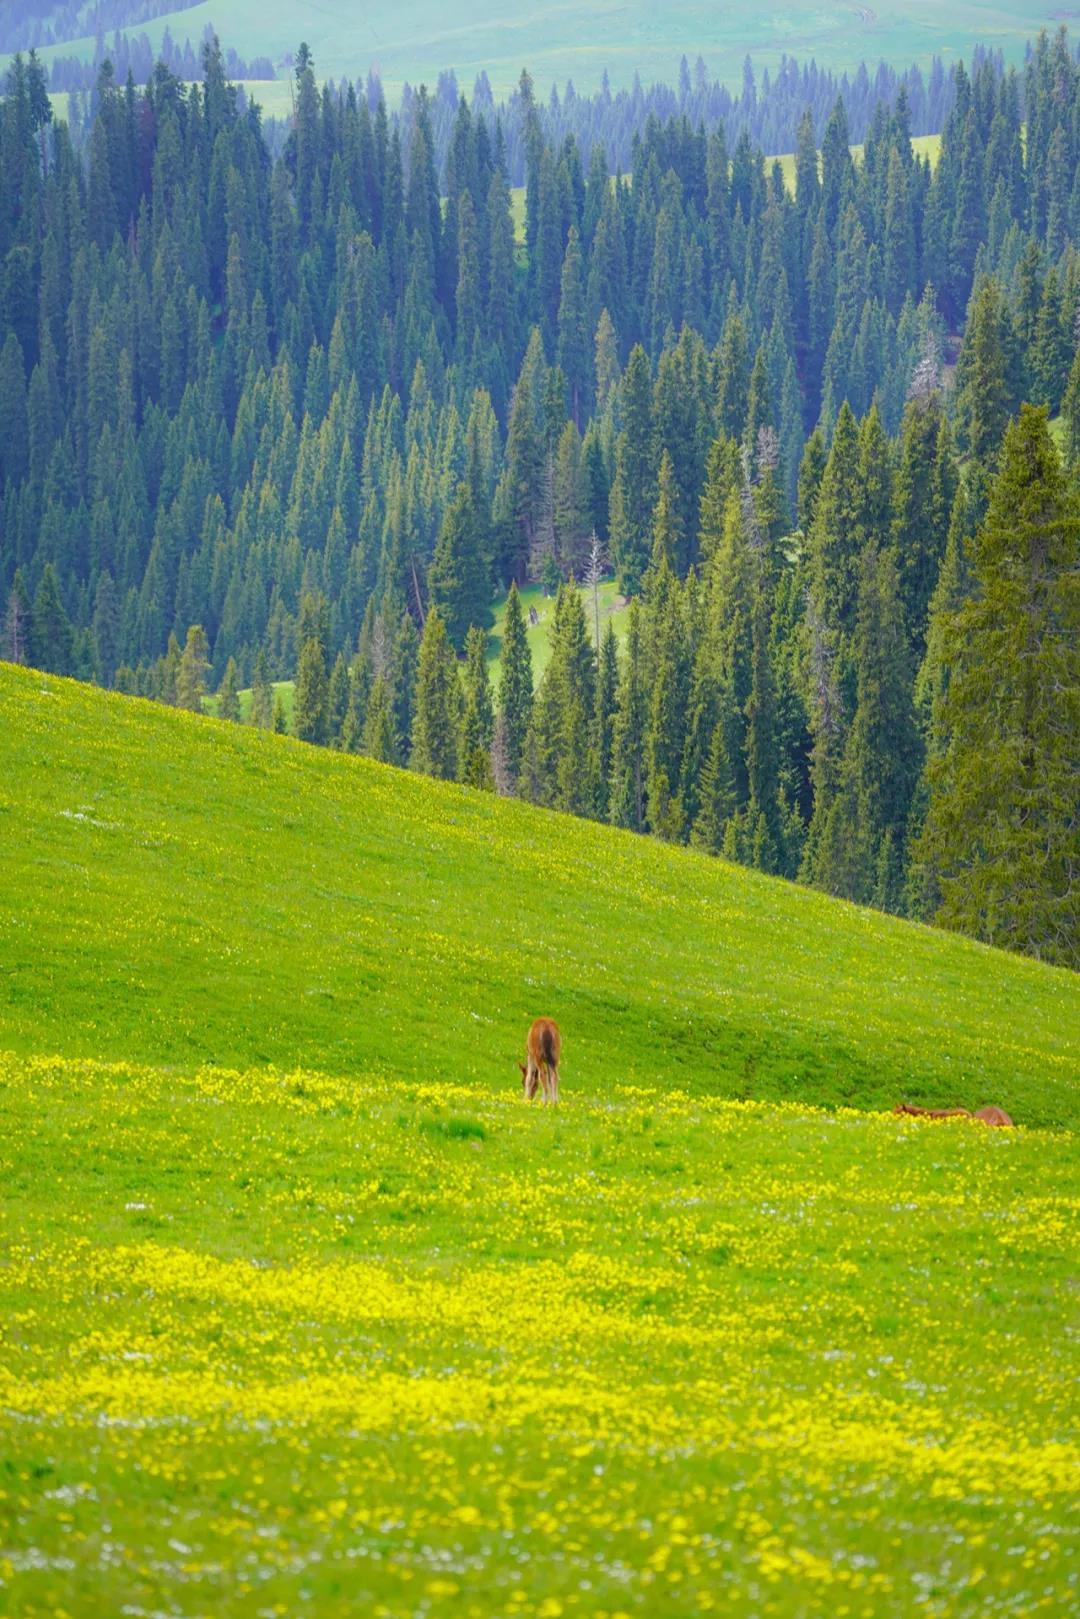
(16, 630)
(926, 378)
(542, 545)
(755, 534)
(500, 759)
(593, 574)
(768, 450)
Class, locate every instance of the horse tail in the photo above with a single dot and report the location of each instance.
(549, 1056)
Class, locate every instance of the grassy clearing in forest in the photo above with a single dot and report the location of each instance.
(303, 1309)
(612, 607)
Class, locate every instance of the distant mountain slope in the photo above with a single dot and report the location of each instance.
(417, 39)
(177, 890)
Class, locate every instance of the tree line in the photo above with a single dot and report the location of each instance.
(316, 409)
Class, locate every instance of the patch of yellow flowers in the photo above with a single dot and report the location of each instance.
(282, 1343)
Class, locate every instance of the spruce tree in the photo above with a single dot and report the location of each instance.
(669, 673)
(311, 716)
(572, 352)
(723, 475)
(105, 627)
(337, 700)
(478, 715)
(627, 796)
(193, 670)
(633, 489)
(860, 858)
(836, 529)
(924, 491)
(607, 685)
(666, 522)
(379, 739)
(1002, 832)
(515, 683)
(262, 695)
(564, 708)
(716, 796)
(458, 580)
(437, 717)
(51, 640)
(982, 393)
(228, 697)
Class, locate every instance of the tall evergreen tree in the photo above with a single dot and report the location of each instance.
(515, 683)
(478, 715)
(633, 490)
(311, 706)
(193, 670)
(228, 696)
(458, 580)
(1002, 833)
(437, 719)
(627, 796)
(51, 641)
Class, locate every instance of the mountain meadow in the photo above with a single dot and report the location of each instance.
(302, 1308)
(489, 534)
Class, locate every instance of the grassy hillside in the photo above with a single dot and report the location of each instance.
(302, 1309)
(416, 39)
(243, 899)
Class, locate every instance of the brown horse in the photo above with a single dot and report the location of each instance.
(994, 1116)
(541, 1065)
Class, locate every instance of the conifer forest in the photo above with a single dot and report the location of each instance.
(305, 403)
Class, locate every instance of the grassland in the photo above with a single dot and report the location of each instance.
(417, 39)
(303, 1310)
(277, 1344)
(243, 899)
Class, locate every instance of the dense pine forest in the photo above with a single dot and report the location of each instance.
(307, 415)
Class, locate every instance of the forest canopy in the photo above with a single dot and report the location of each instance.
(302, 415)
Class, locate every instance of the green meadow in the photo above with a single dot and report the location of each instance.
(608, 607)
(242, 898)
(415, 40)
(303, 1309)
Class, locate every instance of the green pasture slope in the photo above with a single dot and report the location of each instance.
(418, 39)
(302, 1309)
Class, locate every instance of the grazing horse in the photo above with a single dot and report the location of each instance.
(994, 1116)
(541, 1065)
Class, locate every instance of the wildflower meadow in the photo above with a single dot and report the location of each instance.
(303, 1310)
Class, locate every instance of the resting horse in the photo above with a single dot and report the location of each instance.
(994, 1116)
